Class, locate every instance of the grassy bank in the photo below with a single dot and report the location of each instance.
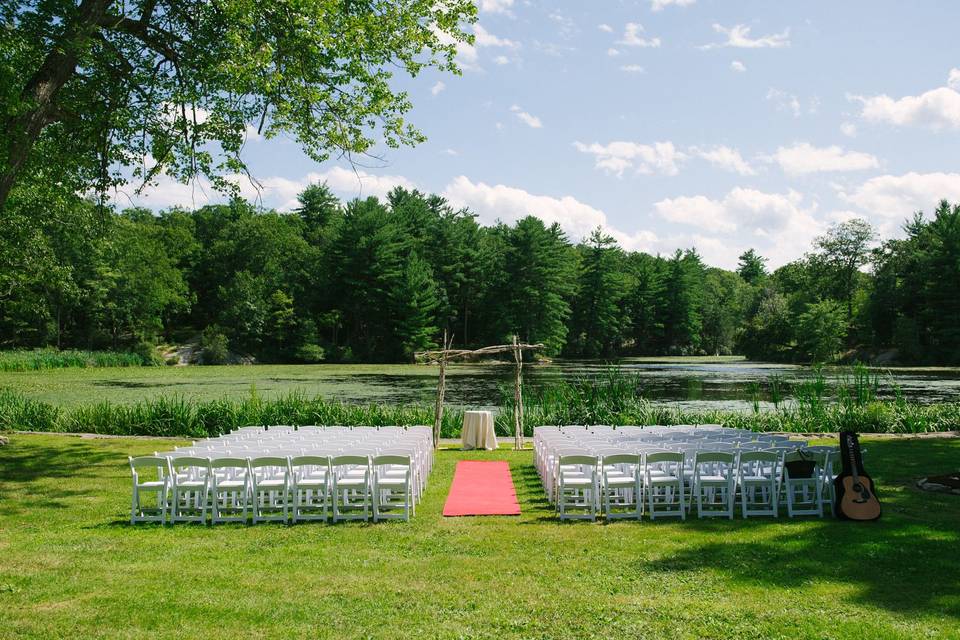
(42, 359)
(73, 568)
(849, 401)
(617, 399)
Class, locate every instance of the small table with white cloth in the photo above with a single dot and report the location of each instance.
(478, 430)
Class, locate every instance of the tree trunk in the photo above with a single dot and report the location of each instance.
(40, 93)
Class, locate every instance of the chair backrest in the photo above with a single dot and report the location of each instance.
(310, 461)
(148, 461)
(348, 459)
(580, 459)
(759, 456)
(664, 456)
(183, 462)
(714, 456)
(391, 459)
(268, 461)
(622, 458)
(817, 457)
(228, 463)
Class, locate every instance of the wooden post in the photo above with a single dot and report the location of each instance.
(441, 388)
(518, 395)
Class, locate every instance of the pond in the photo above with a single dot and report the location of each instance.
(692, 383)
(686, 383)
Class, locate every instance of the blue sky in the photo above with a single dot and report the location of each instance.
(712, 124)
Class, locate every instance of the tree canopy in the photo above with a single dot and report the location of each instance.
(95, 92)
(377, 280)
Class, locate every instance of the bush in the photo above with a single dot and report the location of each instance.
(214, 346)
(147, 352)
(310, 354)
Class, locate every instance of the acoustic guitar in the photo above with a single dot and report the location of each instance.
(856, 498)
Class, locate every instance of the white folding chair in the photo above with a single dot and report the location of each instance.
(714, 480)
(190, 485)
(757, 480)
(310, 487)
(144, 482)
(804, 493)
(578, 486)
(350, 487)
(663, 484)
(392, 487)
(622, 486)
(270, 479)
(230, 489)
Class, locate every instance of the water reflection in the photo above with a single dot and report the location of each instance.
(730, 385)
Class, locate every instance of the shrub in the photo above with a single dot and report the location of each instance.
(214, 346)
(147, 352)
(311, 354)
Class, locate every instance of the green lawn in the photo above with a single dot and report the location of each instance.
(71, 566)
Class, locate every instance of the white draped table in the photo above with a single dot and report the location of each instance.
(478, 430)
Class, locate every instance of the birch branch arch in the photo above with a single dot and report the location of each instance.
(446, 355)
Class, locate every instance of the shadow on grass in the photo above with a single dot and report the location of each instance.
(890, 566)
(30, 465)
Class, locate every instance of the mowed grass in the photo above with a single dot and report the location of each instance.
(72, 566)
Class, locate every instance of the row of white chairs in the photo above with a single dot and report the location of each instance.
(286, 474)
(625, 471)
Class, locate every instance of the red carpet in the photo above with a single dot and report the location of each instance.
(482, 489)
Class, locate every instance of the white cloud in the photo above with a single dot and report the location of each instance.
(658, 5)
(738, 66)
(936, 109)
(451, 152)
(803, 158)
(632, 68)
(509, 204)
(848, 129)
(662, 158)
(613, 52)
(777, 224)
(898, 197)
(437, 88)
(496, 6)
(501, 60)
(274, 192)
(725, 158)
(696, 210)
(785, 101)
(483, 38)
(605, 28)
(738, 36)
(618, 156)
(527, 119)
(953, 79)
(632, 37)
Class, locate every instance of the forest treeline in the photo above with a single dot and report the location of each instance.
(376, 281)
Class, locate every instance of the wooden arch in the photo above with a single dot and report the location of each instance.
(445, 355)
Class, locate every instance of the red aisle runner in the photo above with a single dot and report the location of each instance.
(482, 488)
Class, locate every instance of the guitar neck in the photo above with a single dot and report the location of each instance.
(851, 453)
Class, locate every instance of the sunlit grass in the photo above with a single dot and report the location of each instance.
(71, 566)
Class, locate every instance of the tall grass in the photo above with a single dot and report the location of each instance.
(175, 416)
(818, 405)
(615, 398)
(38, 359)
